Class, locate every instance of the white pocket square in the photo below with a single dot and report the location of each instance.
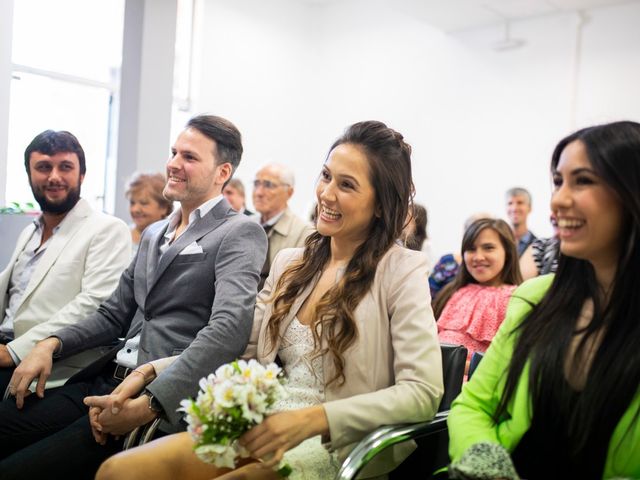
(191, 249)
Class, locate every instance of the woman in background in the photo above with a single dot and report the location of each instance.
(471, 308)
(415, 235)
(556, 395)
(446, 268)
(348, 317)
(146, 203)
(415, 231)
(541, 257)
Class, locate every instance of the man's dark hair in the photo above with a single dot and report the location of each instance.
(224, 133)
(50, 143)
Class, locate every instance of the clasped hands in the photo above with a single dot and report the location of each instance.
(120, 412)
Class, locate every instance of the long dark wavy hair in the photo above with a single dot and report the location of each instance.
(510, 273)
(544, 337)
(334, 328)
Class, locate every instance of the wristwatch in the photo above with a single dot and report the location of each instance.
(154, 404)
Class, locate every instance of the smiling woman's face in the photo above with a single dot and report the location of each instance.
(588, 213)
(485, 259)
(346, 199)
(144, 209)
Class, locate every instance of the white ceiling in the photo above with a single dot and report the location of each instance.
(459, 15)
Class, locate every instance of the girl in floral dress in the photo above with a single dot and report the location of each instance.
(471, 308)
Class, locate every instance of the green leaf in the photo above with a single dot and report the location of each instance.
(285, 470)
(236, 367)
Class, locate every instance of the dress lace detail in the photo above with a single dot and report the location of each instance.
(310, 460)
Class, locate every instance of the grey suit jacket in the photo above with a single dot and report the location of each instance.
(197, 305)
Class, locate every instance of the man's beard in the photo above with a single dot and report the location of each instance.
(73, 195)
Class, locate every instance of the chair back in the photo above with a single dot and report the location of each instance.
(473, 364)
(454, 358)
(432, 437)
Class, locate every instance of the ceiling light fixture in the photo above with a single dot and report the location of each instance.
(507, 42)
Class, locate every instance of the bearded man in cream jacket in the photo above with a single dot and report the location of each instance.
(64, 264)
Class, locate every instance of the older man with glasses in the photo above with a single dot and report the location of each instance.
(272, 189)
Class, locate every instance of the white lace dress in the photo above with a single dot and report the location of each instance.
(310, 460)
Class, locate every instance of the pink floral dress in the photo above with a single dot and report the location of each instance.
(473, 315)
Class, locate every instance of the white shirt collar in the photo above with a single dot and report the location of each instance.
(201, 211)
(273, 220)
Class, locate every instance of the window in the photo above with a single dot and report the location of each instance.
(183, 66)
(66, 63)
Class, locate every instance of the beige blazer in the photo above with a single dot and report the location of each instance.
(79, 269)
(393, 373)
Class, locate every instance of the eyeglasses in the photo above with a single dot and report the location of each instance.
(268, 184)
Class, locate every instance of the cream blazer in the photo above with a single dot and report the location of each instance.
(393, 373)
(79, 269)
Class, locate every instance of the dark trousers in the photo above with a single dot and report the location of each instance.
(51, 437)
(70, 453)
(5, 372)
(5, 376)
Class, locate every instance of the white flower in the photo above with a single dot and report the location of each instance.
(271, 374)
(242, 451)
(253, 403)
(230, 401)
(224, 372)
(219, 455)
(224, 394)
(196, 430)
(205, 400)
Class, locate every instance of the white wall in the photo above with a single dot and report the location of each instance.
(146, 95)
(292, 75)
(6, 35)
(253, 71)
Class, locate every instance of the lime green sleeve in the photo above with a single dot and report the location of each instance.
(471, 418)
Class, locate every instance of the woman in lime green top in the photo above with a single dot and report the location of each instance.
(556, 395)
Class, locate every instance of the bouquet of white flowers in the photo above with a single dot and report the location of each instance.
(232, 400)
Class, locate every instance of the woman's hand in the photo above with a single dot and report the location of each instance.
(132, 386)
(129, 388)
(283, 431)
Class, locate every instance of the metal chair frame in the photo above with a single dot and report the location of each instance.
(385, 437)
(454, 359)
(141, 435)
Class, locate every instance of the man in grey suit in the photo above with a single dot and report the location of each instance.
(190, 291)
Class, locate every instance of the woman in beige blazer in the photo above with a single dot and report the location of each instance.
(348, 316)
